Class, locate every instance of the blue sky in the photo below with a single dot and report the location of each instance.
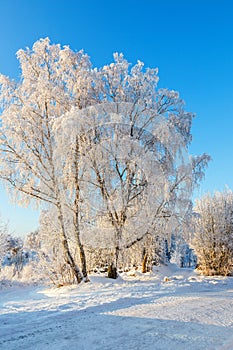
(190, 41)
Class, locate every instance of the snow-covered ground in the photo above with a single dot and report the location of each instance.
(169, 309)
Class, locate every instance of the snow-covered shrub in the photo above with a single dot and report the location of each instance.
(51, 262)
(5, 242)
(12, 253)
(16, 261)
(141, 255)
(213, 237)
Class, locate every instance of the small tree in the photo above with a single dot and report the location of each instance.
(11, 253)
(213, 233)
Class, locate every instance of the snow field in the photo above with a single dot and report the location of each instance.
(187, 311)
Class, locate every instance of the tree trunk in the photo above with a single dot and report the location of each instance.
(112, 269)
(69, 258)
(81, 250)
(112, 272)
(76, 214)
(144, 263)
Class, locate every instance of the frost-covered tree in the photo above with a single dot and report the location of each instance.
(52, 80)
(11, 252)
(5, 239)
(72, 137)
(137, 171)
(32, 241)
(213, 233)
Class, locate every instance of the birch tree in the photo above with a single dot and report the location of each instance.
(52, 80)
(70, 133)
(135, 177)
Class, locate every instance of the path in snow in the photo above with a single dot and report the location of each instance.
(187, 312)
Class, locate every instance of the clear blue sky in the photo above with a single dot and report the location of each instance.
(190, 41)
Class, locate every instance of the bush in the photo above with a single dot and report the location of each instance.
(213, 234)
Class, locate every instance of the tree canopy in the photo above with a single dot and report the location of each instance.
(105, 146)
